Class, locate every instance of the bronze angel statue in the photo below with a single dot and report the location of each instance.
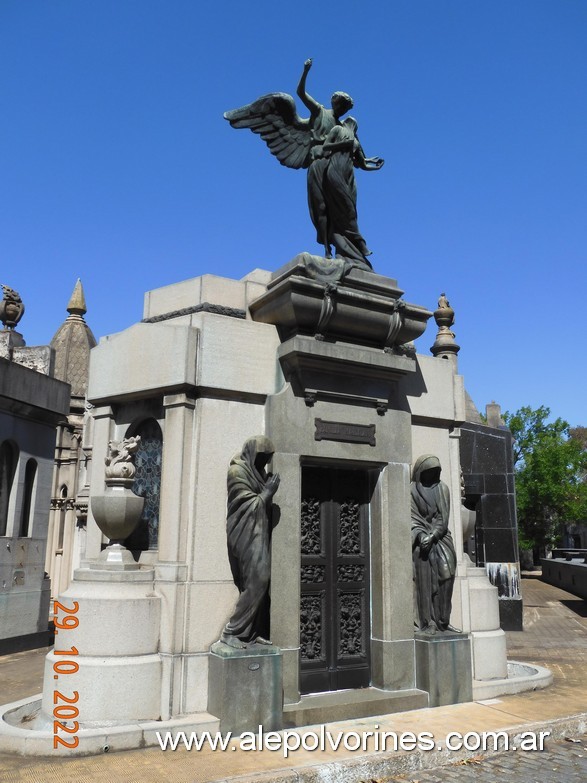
(329, 148)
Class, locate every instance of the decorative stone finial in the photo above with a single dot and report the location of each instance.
(119, 462)
(445, 345)
(11, 307)
(493, 415)
(77, 303)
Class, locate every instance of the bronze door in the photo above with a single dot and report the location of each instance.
(335, 603)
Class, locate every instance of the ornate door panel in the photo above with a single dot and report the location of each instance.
(335, 602)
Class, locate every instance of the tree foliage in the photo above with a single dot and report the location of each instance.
(550, 461)
(579, 434)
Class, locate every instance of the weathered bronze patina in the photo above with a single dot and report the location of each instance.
(329, 149)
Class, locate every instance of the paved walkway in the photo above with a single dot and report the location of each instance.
(555, 636)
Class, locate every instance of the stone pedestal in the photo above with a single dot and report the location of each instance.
(9, 340)
(363, 308)
(488, 639)
(245, 687)
(443, 667)
(116, 639)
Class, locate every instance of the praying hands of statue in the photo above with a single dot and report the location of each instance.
(271, 486)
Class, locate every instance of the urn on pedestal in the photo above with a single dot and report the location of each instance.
(11, 307)
(445, 346)
(118, 510)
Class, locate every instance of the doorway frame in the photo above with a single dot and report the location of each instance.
(392, 635)
(333, 668)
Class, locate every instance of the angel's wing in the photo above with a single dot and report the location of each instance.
(275, 119)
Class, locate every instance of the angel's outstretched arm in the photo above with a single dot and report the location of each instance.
(309, 102)
(367, 164)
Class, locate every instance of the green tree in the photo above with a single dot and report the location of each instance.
(579, 434)
(550, 462)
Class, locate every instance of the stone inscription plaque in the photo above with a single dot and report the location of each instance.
(343, 431)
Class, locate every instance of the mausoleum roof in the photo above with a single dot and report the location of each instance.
(471, 413)
(73, 342)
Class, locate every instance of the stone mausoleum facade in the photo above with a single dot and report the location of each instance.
(331, 377)
(328, 371)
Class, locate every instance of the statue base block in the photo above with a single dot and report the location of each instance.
(443, 667)
(245, 687)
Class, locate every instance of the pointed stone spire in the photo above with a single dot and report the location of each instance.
(72, 344)
(77, 303)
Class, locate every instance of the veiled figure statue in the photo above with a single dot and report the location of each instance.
(248, 528)
(433, 551)
(329, 149)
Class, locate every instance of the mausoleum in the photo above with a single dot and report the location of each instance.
(327, 371)
(294, 402)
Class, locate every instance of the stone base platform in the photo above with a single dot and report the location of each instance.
(19, 734)
(520, 677)
(443, 667)
(345, 705)
(245, 687)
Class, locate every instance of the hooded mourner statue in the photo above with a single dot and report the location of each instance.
(248, 529)
(433, 551)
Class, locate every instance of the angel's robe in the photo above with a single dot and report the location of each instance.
(341, 196)
(321, 126)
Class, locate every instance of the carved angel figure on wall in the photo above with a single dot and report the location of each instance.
(329, 149)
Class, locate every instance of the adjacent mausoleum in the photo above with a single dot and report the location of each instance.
(32, 404)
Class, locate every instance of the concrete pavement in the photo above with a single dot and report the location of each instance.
(555, 637)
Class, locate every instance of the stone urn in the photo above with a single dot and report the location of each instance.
(445, 344)
(444, 315)
(11, 307)
(117, 510)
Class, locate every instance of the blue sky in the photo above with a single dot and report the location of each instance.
(116, 164)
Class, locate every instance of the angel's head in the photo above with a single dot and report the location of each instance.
(341, 103)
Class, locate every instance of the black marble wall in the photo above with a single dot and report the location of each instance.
(488, 474)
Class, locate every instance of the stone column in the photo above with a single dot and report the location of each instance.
(102, 431)
(175, 476)
(285, 572)
(454, 485)
(171, 572)
(392, 628)
(460, 615)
